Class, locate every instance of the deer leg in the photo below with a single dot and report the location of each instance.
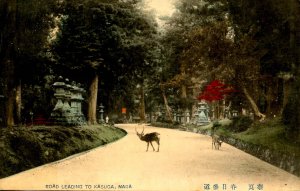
(147, 146)
(152, 146)
(219, 144)
(158, 145)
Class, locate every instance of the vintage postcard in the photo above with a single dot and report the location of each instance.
(150, 95)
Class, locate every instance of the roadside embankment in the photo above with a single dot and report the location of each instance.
(23, 148)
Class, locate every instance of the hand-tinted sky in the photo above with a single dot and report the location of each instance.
(161, 7)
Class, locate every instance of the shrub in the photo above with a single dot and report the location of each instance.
(290, 118)
(240, 124)
(165, 125)
(162, 119)
(216, 125)
(27, 147)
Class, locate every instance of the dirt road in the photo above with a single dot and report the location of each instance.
(185, 162)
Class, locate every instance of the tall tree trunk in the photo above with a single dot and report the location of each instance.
(8, 61)
(9, 93)
(92, 104)
(253, 105)
(19, 102)
(142, 103)
(167, 105)
(274, 91)
(222, 108)
(217, 109)
(184, 98)
(286, 91)
(9, 108)
(183, 92)
(269, 99)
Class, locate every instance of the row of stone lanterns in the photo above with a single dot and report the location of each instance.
(181, 117)
(68, 109)
(200, 117)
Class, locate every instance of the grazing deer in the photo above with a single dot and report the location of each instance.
(149, 137)
(216, 142)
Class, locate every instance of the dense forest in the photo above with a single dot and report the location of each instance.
(124, 59)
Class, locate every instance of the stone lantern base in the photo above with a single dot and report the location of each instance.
(66, 118)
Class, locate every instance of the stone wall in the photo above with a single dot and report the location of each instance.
(285, 161)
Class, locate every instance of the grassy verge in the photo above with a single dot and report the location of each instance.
(166, 125)
(270, 134)
(25, 148)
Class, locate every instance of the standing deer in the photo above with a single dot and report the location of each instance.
(149, 137)
(216, 142)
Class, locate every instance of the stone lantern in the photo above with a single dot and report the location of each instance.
(178, 115)
(58, 114)
(187, 117)
(175, 116)
(234, 113)
(101, 111)
(76, 100)
(202, 114)
(59, 88)
(226, 113)
(67, 110)
(67, 98)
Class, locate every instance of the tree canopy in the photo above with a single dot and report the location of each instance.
(112, 39)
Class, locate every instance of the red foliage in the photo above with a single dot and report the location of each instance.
(215, 91)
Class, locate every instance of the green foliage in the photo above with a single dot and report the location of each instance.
(104, 36)
(240, 124)
(162, 119)
(166, 124)
(24, 32)
(268, 27)
(25, 148)
(215, 127)
(291, 116)
(30, 21)
(291, 112)
(271, 134)
(216, 124)
(184, 49)
(239, 42)
(111, 38)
